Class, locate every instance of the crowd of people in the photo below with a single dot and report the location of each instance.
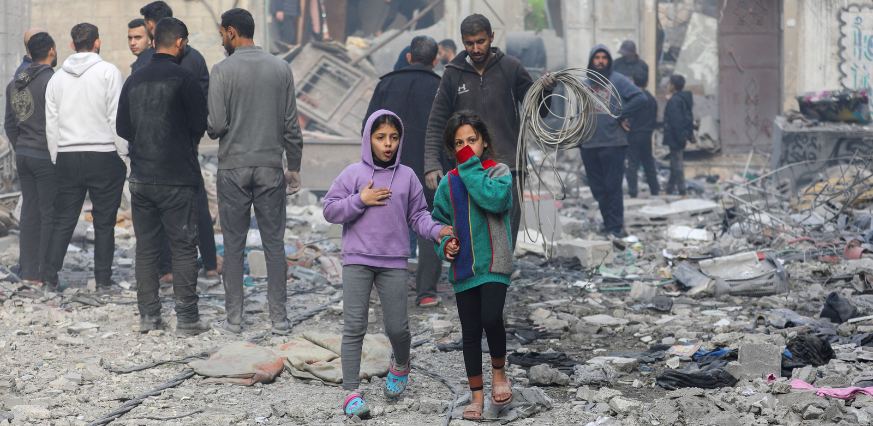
(450, 195)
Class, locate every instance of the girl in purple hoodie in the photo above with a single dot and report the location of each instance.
(377, 200)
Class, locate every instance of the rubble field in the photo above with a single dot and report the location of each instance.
(745, 303)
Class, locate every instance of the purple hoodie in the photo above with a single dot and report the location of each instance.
(378, 236)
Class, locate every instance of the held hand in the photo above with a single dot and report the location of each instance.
(292, 180)
(549, 81)
(373, 197)
(625, 124)
(446, 231)
(432, 179)
(452, 249)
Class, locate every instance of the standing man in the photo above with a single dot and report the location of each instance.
(447, 51)
(630, 64)
(9, 116)
(490, 84)
(192, 61)
(81, 102)
(402, 91)
(642, 124)
(253, 113)
(138, 39)
(162, 114)
(25, 102)
(678, 131)
(604, 154)
(285, 13)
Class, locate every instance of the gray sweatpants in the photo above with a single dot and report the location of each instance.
(358, 281)
(239, 190)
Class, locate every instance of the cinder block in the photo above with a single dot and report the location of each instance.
(759, 359)
(590, 253)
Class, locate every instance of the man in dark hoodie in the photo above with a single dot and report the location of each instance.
(604, 154)
(401, 91)
(9, 117)
(630, 64)
(162, 114)
(192, 61)
(678, 130)
(490, 84)
(642, 124)
(25, 102)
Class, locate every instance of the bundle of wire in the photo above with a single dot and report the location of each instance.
(587, 93)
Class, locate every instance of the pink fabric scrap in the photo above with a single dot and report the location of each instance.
(841, 393)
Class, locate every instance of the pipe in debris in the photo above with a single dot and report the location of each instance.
(403, 29)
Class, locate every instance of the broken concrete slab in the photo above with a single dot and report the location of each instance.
(622, 364)
(591, 253)
(544, 375)
(757, 360)
(604, 320)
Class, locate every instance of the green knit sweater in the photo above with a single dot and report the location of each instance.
(476, 199)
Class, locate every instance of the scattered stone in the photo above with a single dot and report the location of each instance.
(442, 327)
(812, 413)
(257, 264)
(622, 364)
(81, 327)
(590, 253)
(600, 395)
(25, 413)
(539, 315)
(622, 405)
(604, 320)
(544, 375)
(674, 362)
(587, 374)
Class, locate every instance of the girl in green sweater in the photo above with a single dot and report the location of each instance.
(476, 199)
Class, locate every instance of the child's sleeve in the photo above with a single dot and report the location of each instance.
(417, 216)
(342, 203)
(490, 191)
(443, 213)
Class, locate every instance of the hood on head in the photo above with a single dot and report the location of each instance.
(628, 47)
(78, 63)
(29, 74)
(367, 151)
(600, 48)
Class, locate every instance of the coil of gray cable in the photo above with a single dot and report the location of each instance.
(587, 93)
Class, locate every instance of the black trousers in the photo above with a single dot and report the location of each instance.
(677, 172)
(165, 212)
(100, 175)
(38, 190)
(640, 153)
(605, 170)
(430, 267)
(481, 308)
(239, 190)
(206, 236)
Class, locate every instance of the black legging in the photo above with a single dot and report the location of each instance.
(481, 308)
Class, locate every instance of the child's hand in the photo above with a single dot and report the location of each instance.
(447, 231)
(452, 249)
(373, 197)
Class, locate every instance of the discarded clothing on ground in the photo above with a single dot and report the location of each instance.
(312, 356)
(557, 360)
(838, 309)
(704, 379)
(525, 403)
(850, 106)
(706, 358)
(841, 393)
(241, 363)
(805, 349)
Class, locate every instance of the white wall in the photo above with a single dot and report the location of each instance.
(14, 20)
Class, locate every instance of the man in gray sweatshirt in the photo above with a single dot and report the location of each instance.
(253, 113)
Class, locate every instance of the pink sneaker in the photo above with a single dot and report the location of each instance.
(428, 302)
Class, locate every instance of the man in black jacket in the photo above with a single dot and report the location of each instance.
(162, 114)
(678, 130)
(192, 61)
(630, 64)
(285, 13)
(642, 124)
(485, 81)
(402, 91)
(604, 154)
(25, 103)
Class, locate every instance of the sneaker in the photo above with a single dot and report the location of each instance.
(282, 328)
(396, 381)
(224, 326)
(428, 302)
(188, 329)
(147, 324)
(354, 405)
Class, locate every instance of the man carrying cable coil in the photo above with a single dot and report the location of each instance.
(604, 154)
(490, 84)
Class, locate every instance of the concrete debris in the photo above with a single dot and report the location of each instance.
(543, 375)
